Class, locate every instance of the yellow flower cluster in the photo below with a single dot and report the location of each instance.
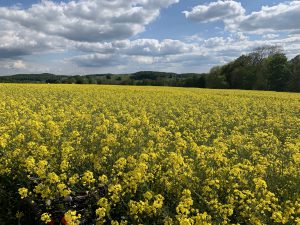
(72, 218)
(23, 192)
(152, 155)
(46, 217)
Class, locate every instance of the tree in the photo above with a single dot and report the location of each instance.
(294, 81)
(92, 80)
(81, 80)
(260, 53)
(195, 81)
(240, 74)
(215, 79)
(278, 72)
(258, 59)
(261, 71)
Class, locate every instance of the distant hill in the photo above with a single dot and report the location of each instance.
(138, 78)
(32, 78)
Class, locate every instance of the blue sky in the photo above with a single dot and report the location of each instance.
(100, 36)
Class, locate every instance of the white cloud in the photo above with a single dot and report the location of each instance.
(193, 38)
(144, 51)
(87, 20)
(280, 17)
(239, 36)
(152, 54)
(17, 41)
(19, 64)
(270, 36)
(98, 60)
(91, 26)
(138, 47)
(14, 65)
(220, 10)
(214, 42)
(152, 47)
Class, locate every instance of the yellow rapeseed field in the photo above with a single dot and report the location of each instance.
(149, 155)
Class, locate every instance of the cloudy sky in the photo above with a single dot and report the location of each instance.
(120, 36)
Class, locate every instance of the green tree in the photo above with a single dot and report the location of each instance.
(215, 79)
(294, 81)
(81, 80)
(278, 72)
(240, 74)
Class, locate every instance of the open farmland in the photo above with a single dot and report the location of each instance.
(148, 155)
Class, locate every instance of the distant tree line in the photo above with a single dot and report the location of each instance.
(265, 68)
(143, 78)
